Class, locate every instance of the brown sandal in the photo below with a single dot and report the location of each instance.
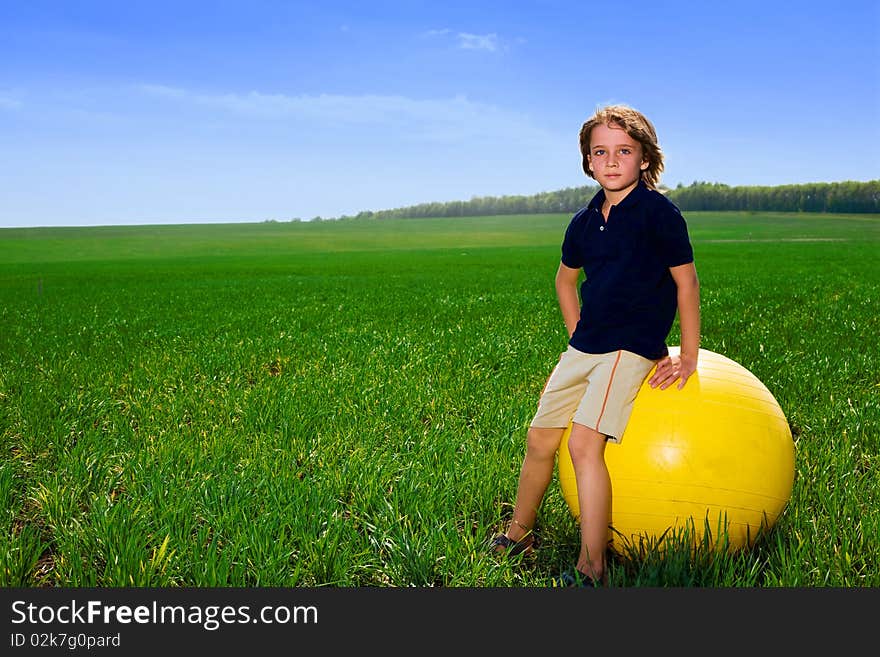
(501, 544)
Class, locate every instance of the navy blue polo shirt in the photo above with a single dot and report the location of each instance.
(629, 298)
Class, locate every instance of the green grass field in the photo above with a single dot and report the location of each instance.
(345, 403)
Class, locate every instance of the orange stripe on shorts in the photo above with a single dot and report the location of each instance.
(608, 390)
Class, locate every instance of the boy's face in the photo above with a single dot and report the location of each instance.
(616, 159)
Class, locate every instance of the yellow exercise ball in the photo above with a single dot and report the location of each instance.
(718, 452)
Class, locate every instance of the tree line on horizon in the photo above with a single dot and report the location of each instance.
(837, 197)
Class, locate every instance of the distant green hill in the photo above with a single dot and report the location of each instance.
(844, 197)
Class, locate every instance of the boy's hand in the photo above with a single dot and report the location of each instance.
(671, 369)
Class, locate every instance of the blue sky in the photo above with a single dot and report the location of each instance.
(177, 112)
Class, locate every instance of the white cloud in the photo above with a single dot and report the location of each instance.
(161, 90)
(9, 103)
(445, 119)
(469, 41)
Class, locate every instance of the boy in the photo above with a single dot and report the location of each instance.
(633, 246)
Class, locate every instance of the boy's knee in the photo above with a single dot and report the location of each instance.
(585, 443)
(543, 442)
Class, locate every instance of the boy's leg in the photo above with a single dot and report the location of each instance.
(561, 394)
(534, 477)
(587, 449)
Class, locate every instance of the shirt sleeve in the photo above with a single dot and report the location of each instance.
(673, 238)
(572, 250)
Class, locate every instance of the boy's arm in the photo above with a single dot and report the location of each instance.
(567, 293)
(682, 366)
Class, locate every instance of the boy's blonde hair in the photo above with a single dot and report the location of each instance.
(636, 126)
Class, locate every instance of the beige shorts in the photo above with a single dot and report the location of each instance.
(596, 390)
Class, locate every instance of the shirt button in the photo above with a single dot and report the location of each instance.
(601, 227)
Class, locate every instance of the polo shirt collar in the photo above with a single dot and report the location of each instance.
(629, 200)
